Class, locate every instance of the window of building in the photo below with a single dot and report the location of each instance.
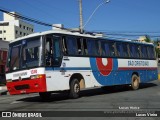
(16, 31)
(4, 38)
(24, 34)
(0, 31)
(20, 33)
(20, 25)
(24, 27)
(0, 38)
(4, 31)
(27, 28)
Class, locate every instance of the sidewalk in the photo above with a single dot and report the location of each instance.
(3, 90)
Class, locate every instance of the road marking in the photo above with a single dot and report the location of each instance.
(15, 102)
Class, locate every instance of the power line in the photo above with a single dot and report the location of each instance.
(26, 18)
(34, 20)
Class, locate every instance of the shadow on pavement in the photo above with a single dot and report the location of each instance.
(57, 97)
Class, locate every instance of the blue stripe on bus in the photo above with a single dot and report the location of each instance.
(68, 68)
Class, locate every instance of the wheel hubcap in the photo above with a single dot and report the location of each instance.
(135, 82)
(76, 88)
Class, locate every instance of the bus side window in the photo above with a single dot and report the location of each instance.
(56, 51)
(79, 46)
(135, 51)
(132, 50)
(93, 48)
(105, 48)
(85, 49)
(71, 45)
(48, 51)
(64, 46)
(138, 51)
(151, 52)
(119, 48)
(144, 51)
(125, 50)
(112, 49)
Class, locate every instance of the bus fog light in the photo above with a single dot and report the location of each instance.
(36, 85)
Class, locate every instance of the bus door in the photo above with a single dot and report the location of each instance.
(52, 51)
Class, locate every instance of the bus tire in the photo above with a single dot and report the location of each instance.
(135, 82)
(74, 89)
(45, 95)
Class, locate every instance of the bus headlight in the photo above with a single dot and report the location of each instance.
(9, 80)
(36, 76)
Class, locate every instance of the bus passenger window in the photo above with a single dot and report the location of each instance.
(138, 51)
(151, 52)
(119, 49)
(48, 51)
(135, 51)
(111, 49)
(105, 48)
(132, 50)
(92, 47)
(71, 45)
(125, 50)
(144, 51)
(79, 46)
(64, 46)
(85, 47)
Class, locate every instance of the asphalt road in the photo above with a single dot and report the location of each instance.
(147, 98)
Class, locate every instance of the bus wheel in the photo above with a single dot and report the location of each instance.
(135, 82)
(74, 89)
(45, 95)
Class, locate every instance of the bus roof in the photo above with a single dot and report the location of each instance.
(67, 32)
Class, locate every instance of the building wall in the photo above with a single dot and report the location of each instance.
(12, 28)
(7, 17)
(7, 33)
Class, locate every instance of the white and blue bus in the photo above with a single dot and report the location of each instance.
(59, 60)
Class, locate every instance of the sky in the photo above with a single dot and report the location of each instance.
(116, 17)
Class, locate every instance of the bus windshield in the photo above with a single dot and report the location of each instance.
(25, 54)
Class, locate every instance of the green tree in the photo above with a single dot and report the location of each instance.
(147, 39)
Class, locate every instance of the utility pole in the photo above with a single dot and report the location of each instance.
(80, 16)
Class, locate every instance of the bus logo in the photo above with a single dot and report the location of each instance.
(104, 65)
(33, 71)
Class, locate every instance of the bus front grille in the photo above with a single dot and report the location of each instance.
(21, 87)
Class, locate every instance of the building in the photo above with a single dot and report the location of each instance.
(142, 39)
(3, 58)
(12, 27)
